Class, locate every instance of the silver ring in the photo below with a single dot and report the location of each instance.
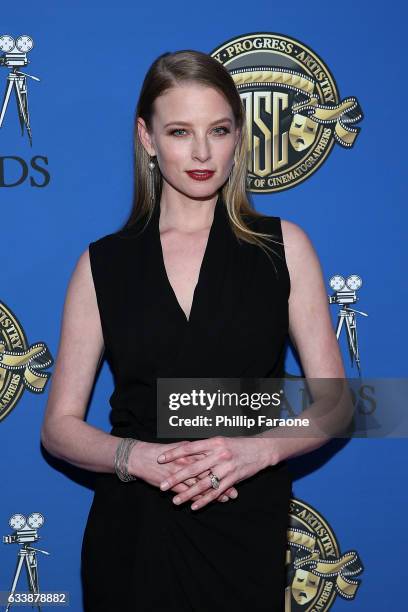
(215, 482)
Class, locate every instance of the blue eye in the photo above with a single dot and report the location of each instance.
(226, 131)
(173, 132)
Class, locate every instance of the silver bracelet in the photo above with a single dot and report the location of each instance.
(121, 459)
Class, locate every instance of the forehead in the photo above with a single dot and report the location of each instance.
(190, 102)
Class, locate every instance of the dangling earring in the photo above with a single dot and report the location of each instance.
(152, 181)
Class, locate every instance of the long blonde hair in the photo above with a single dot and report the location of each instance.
(185, 66)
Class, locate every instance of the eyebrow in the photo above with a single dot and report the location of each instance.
(186, 122)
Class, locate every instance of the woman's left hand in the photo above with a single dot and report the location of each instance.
(230, 459)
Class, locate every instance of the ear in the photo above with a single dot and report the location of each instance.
(145, 137)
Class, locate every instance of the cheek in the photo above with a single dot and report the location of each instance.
(172, 158)
(226, 153)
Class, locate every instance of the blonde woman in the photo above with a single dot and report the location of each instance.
(196, 284)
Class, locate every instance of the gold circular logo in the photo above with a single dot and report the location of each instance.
(293, 108)
(21, 365)
(316, 571)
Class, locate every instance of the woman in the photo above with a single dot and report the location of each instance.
(196, 284)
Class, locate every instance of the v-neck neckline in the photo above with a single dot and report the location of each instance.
(169, 286)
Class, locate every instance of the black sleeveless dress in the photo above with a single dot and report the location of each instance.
(141, 552)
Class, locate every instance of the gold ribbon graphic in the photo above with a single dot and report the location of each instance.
(30, 363)
(341, 115)
(341, 569)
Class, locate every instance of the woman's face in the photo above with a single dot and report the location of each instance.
(193, 128)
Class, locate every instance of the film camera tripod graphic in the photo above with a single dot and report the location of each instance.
(14, 57)
(25, 533)
(344, 295)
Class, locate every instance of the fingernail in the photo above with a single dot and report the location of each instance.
(164, 485)
(161, 458)
(234, 495)
(194, 506)
(224, 498)
(176, 500)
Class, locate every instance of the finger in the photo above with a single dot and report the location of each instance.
(204, 484)
(183, 487)
(187, 472)
(188, 448)
(200, 488)
(186, 460)
(203, 474)
(232, 493)
(183, 461)
(178, 489)
(190, 481)
(229, 493)
(211, 495)
(226, 496)
(223, 498)
(189, 459)
(172, 446)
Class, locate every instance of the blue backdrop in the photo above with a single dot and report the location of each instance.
(91, 59)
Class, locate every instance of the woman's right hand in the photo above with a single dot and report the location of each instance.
(143, 464)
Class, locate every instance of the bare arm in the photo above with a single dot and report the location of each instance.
(311, 331)
(310, 325)
(64, 433)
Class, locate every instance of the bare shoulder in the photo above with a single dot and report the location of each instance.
(83, 264)
(80, 285)
(81, 291)
(301, 256)
(291, 230)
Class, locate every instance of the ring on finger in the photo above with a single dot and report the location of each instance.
(215, 481)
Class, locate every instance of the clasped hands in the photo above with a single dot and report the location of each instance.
(230, 459)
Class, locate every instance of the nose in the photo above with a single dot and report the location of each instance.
(201, 149)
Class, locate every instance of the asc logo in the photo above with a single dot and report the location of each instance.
(293, 108)
(316, 570)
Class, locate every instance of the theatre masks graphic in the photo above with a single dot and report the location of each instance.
(302, 132)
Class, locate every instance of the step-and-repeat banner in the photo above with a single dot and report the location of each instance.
(318, 83)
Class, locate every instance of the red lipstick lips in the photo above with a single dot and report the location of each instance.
(200, 175)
